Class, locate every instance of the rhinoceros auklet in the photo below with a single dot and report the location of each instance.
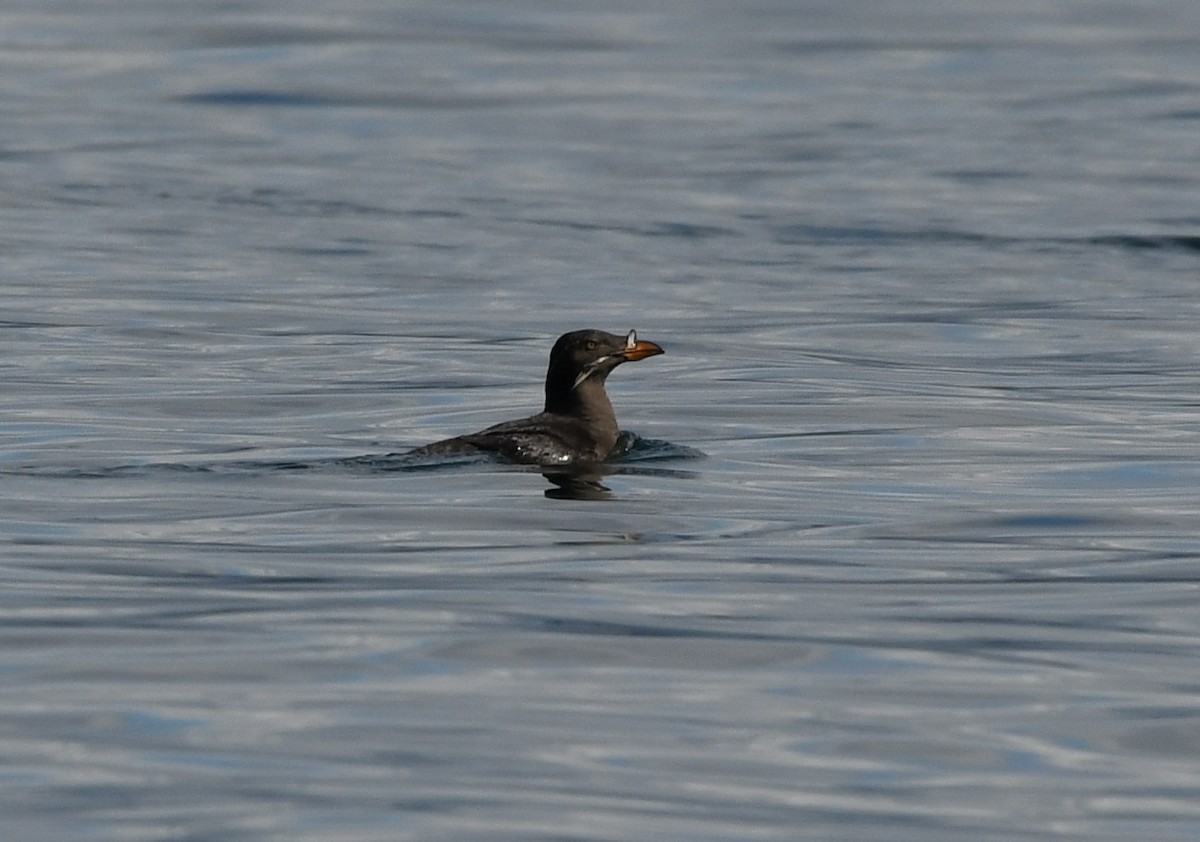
(578, 425)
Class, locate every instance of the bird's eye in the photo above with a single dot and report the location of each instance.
(590, 344)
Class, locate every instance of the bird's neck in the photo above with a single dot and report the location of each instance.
(588, 401)
(589, 407)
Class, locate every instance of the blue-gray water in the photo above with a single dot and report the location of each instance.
(928, 278)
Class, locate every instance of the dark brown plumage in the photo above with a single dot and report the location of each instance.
(577, 425)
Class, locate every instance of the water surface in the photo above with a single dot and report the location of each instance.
(926, 277)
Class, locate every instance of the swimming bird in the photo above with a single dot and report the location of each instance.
(577, 425)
